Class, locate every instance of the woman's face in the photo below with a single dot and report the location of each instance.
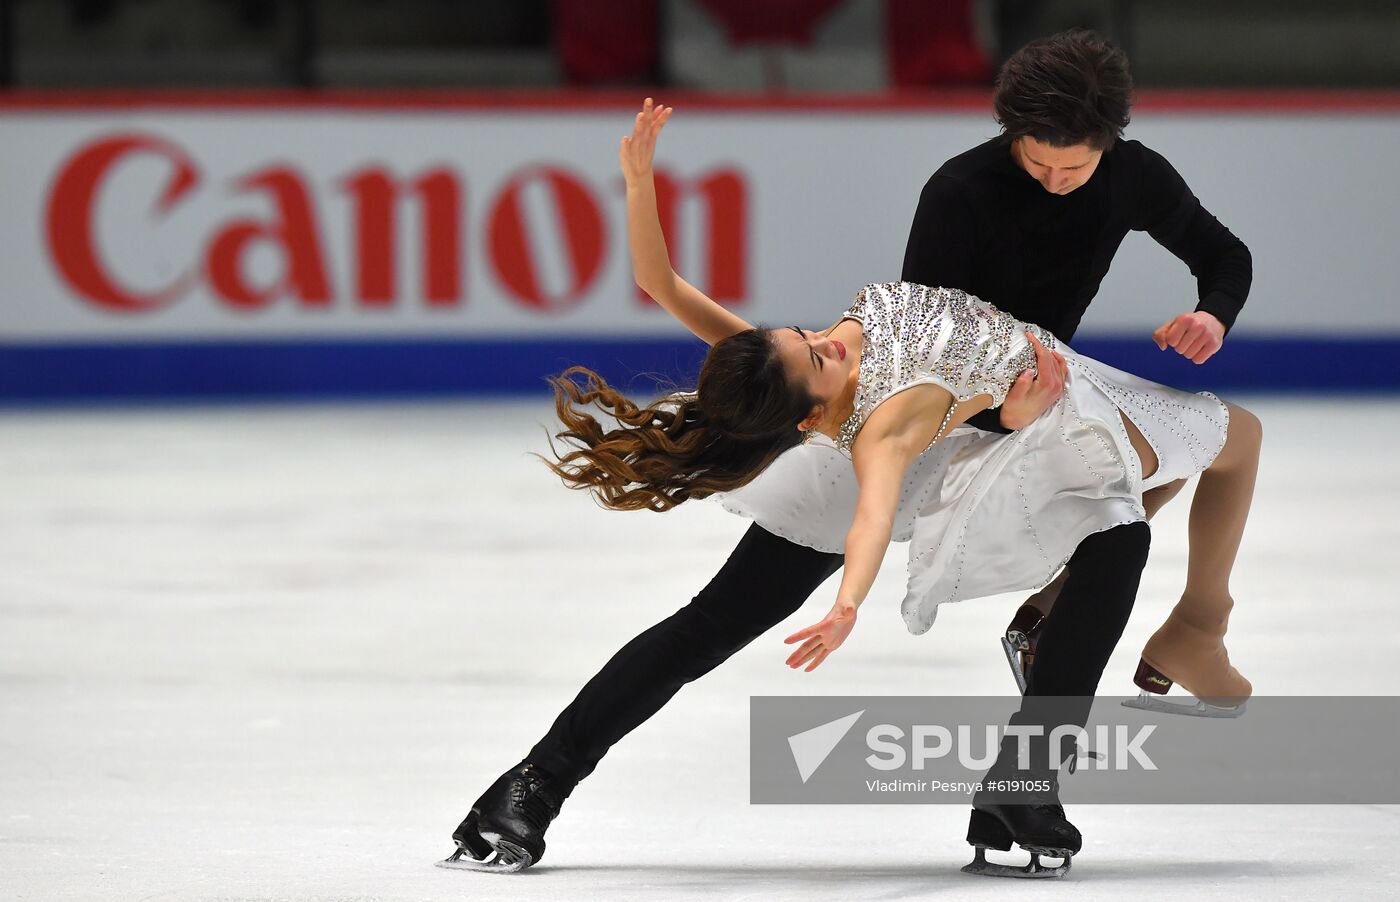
(812, 359)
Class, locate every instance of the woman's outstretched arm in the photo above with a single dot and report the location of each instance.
(651, 264)
(896, 433)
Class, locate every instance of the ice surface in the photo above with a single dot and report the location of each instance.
(275, 653)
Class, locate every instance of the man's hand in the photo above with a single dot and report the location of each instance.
(1035, 391)
(1195, 336)
(822, 638)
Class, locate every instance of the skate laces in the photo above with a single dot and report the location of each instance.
(530, 798)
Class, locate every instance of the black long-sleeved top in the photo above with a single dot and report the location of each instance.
(986, 226)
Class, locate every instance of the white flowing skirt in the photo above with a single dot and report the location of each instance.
(986, 513)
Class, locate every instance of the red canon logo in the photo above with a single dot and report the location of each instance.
(376, 195)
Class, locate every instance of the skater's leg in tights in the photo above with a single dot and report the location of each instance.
(1153, 500)
(1189, 647)
(765, 580)
(1218, 515)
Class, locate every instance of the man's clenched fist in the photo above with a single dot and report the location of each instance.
(1195, 336)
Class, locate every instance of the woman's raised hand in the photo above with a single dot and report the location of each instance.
(637, 149)
(823, 638)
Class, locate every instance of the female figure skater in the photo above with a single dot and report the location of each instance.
(847, 438)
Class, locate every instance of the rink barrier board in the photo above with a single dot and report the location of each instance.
(304, 370)
(92, 368)
(506, 224)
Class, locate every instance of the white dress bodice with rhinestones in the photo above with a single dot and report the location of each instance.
(985, 513)
(915, 335)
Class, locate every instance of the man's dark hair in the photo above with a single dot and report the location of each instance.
(1070, 88)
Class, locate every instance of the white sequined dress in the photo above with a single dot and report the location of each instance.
(985, 513)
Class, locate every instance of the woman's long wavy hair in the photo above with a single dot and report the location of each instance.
(743, 413)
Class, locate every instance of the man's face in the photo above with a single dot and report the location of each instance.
(1058, 169)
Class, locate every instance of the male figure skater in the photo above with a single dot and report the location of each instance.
(1029, 221)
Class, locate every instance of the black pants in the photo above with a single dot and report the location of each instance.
(767, 578)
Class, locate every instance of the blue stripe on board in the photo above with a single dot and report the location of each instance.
(367, 369)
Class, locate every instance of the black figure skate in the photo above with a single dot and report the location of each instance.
(1037, 829)
(1019, 643)
(504, 832)
(1021, 805)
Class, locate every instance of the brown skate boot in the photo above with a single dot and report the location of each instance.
(1189, 649)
